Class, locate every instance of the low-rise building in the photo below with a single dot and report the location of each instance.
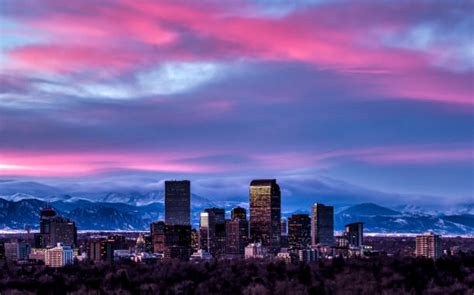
(255, 250)
(59, 256)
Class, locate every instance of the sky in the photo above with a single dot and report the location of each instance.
(359, 95)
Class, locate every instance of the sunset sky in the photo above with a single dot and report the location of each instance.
(374, 94)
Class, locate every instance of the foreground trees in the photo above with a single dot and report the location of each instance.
(377, 275)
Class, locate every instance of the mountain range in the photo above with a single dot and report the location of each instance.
(20, 204)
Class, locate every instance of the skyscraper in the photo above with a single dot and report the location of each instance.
(265, 213)
(355, 234)
(178, 202)
(284, 227)
(428, 245)
(299, 231)
(55, 229)
(322, 225)
(237, 236)
(213, 231)
(207, 236)
(238, 213)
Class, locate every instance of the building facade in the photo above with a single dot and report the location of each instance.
(255, 250)
(428, 245)
(237, 236)
(299, 231)
(157, 231)
(55, 229)
(178, 202)
(265, 213)
(354, 233)
(322, 227)
(59, 256)
(238, 213)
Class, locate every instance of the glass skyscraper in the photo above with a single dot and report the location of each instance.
(265, 213)
(322, 228)
(178, 202)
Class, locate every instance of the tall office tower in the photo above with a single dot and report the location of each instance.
(355, 234)
(207, 237)
(63, 231)
(55, 229)
(238, 213)
(42, 239)
(265, 213)
(157, 231)
(177, 241)
(178, 202)
(428, 245)
(284, 227)
(322, 231)
(299, 231)
(219, 230)
(237, 236)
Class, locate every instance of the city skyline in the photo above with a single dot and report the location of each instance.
(122, 95)
(236, 147)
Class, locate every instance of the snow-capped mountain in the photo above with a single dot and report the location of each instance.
(135, 208)
(120, 216)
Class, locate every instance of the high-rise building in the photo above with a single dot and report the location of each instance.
(299, 231)
(238, 213)
(177, 241)
(265, 213)
(219, 230)
(355, 234)
(428, 245)
(157, 230)
(55, 229)
(178, 202)
(207, 237)
(284, 227)
(213, 231)
(59, 256)
(237, 236)
(322, 228)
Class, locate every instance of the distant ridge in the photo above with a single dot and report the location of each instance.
(122, 216)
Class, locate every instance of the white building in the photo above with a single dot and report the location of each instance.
(201, 255)
(255, 250)
(59, 256)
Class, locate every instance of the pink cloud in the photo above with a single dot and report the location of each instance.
(335, 37)
(81, 164)
(389, 155)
